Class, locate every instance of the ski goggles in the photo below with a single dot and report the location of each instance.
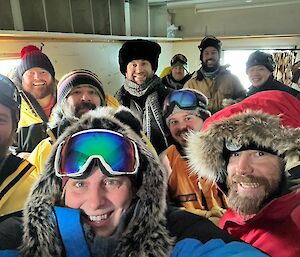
(117, 154)
(184, 99)
(178, 58)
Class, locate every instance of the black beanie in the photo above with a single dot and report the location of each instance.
(139, 49)
(209, 41)
(261, 58)
(9, 96)
(32, 57)
(75, 78)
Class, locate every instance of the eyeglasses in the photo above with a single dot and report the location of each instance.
(185, 100)
(117, 154)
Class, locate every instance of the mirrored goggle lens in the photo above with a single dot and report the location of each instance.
(184, 99)
(117, 153)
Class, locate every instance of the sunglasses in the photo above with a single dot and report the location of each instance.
(117, 154)
(184, 99)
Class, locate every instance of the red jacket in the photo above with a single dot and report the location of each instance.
(274, 230)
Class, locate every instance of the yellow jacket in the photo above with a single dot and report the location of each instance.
(17, 185)
(31, 127)
(39, 155)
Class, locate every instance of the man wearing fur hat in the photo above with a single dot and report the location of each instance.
(216, 82)
(259, 68)
(143, 91)
(253, 146)
(103, 193)
(37, 76)
(16, 175)
(185, 110)
(179, 72)
(78, 92)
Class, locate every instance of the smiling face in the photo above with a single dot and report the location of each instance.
(178, 72)
(181, 123)
(102, 200)
(253, 176)
(210, 57)
(81, 99)
(38, 82)
(139, 71)
(258, 75)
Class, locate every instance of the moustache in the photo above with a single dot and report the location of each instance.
(237, 179)
(182, 131)
(84, 105)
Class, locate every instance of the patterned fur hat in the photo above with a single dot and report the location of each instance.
(138, 49)
(269, 119)
(145, 235)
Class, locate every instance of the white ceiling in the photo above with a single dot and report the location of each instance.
(213, 5)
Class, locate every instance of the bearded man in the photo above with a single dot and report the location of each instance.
(216, 82)
(254, 147)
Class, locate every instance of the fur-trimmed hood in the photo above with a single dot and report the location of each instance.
(145, 235)
(247, 122)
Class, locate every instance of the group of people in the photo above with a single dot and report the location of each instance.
(186, 165)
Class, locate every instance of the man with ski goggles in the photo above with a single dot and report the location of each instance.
(103, 193)
(185, 110)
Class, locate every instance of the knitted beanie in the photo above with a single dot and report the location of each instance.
(76, 78)
(139, 49)
(261, 58)
(32, 57)
(209, 41)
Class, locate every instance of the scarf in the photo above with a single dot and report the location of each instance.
(141, 90)
(145, 103)
(210, 74)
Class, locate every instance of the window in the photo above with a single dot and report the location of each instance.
(7, 65)
(237, 60)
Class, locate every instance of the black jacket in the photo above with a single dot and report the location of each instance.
(273, 84)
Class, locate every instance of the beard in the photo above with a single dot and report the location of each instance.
(249, 205)
(210, 69)
(81, 108)
(181, 135)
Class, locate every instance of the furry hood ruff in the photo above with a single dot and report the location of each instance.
(205, 148)
(145, 235)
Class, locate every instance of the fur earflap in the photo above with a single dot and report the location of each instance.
(145, 235)
(205, 148)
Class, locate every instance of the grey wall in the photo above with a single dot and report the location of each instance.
(255, 21)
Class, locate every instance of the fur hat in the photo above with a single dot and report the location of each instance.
(147, 228)
(32, 57)
(76, 78)
(139, 49)
(201, 110)
(261, 58)
(209, 41)
(268, 120)
(9, 96)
